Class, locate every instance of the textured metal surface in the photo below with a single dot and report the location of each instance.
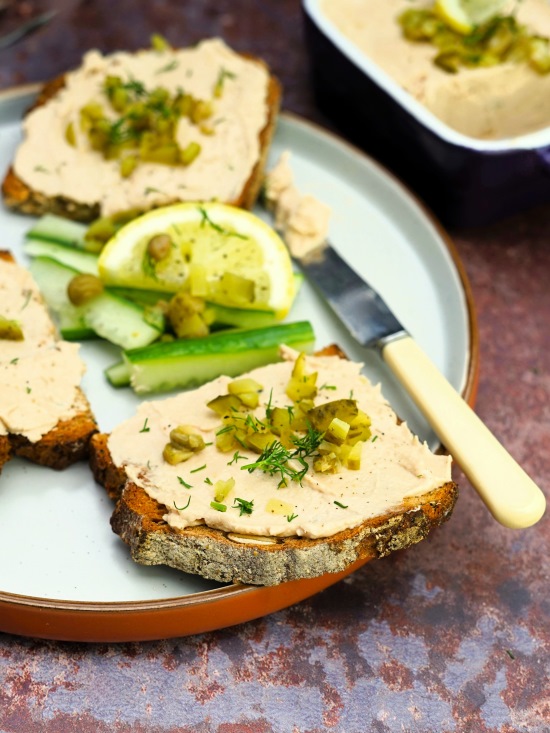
(359, 307)
(451, 637)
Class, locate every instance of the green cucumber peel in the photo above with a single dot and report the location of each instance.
(187, 363)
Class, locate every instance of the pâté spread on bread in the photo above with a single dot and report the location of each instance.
(130, 131)
(491, 99)
(259, 473)
(39, 373)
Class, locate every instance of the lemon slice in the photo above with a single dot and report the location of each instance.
(221, 253)
(464, 15)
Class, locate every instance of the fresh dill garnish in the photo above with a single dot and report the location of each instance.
(181, 508)
(269, 407)
(237, 457)
(226, 429)
(290, 517)
(307, 444)
(145, 428)
(246, 507)
(342, 506)
(200, 468)
(374, 437)
(169, 67)
(28, 296)
(327, 386)
(148, 264)
(226, 232)
(14, 361)
(184, 483)
(207, 481)
(275, 458)
(220, 81)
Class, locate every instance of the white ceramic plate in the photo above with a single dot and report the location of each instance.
(54, 527)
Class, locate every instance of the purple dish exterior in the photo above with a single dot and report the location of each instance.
(464, 186)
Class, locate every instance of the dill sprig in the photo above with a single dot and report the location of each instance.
(275, 458)
(221, 230)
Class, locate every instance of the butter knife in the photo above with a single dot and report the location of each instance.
(509, 493)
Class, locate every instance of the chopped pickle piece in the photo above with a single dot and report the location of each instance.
(352, 456)
(10, 330)
(337, 431)
(247, 390)
(225, 404)
(327, 463)
(223, 488)
(145, 128)
(359, 428)
(322, 415)
(218, 506)
(173, 455)
(189, 153)
(233, 289)
(187, 437)
(498, 40)
(187, 316)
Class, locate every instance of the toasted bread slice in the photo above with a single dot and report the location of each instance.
(28, 198)
(230, 556)
(68, 440)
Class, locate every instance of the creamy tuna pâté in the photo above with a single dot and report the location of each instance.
(39, 375)
(495, 102)
(47, 162)
(394, 463)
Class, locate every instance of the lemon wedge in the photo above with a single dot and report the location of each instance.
(221, 253)
(463, 15)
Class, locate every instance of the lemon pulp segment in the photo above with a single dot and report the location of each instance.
(224, 254)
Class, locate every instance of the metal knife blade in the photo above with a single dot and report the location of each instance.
(508, 492)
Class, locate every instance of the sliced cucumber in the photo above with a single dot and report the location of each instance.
(75, 258)
(53, 279)
(53, 228)
(241, 317)
(189, 362)
(118, 320)
(118, 375)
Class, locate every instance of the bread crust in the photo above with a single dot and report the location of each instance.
(214, 554)
(65, 444)
(20, 197)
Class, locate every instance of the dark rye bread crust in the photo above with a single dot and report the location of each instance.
(138, 520)
(65, 444)
(20, 197)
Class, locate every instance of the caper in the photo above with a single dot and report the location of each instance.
(10, 330)
(82, 288)
(159, 246)
(173, 455)
(187, 437)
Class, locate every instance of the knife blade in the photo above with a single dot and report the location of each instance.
(509, 493)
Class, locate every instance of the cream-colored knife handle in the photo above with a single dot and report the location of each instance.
(510, 495)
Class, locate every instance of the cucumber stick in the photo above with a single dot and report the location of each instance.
(65, 255)
(52, 228)
(109, 316)
(189, 362)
